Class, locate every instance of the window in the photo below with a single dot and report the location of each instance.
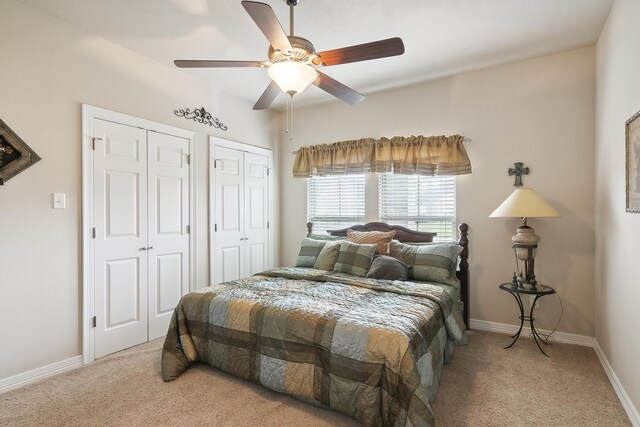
(335, 202)
(423, 203)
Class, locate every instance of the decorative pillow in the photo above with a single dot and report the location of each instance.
(309, 251)
(354, 259)
(432, 263)
(324, 237)
(328, 256)
(386, 267)
(380, 238)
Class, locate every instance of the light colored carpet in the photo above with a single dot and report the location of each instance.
(483, 386)
(486, 385)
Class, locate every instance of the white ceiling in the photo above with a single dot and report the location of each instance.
(441, 37)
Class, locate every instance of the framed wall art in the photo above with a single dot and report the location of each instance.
(632, 131)
(15, 154)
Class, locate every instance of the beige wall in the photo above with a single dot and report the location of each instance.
(48, 70)
(540, 112)
(618, 246)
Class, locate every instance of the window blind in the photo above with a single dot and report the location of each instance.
(335, 202)
(423, 203)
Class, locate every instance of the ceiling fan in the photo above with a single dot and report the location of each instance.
(292, 59)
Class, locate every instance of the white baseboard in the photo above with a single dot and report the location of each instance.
(632, 412)
(504, 328)
(39, 373)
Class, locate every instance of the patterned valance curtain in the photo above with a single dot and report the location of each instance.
(414, 155)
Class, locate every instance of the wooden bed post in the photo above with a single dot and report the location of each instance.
(463, 271)
(309, 228)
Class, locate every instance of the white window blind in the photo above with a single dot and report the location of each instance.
(335, 202)
(423, 203)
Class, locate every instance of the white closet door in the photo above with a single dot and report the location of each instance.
(168, 219)
(120, 179)
(228, 233)
(256, 213)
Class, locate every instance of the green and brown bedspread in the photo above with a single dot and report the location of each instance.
(372, 349)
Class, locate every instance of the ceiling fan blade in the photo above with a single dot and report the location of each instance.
(362, 52)
(198, 63)
(267, 97)
(266, 20)
(337, 89)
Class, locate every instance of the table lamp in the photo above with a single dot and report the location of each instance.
(525, 203)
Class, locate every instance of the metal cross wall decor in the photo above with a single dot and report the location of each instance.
(518, 171)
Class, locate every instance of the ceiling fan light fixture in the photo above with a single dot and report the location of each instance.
(292, 77)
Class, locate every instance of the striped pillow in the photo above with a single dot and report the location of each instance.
(432, 263)
(354, 259)
(380, 238)
(309, 251)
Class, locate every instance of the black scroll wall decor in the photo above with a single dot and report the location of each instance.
(201, 115)
(15, 154)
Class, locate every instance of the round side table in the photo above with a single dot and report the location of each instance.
(539, 291)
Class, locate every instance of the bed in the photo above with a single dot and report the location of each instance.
(370, 348)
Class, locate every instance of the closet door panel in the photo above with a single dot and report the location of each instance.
(170, 282)
(120, 211)
(229, 206)
(168, 221)
(256, 195)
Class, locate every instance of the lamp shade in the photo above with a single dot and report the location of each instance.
(291, 76)
(525, 203)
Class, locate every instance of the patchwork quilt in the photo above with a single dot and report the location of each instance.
(372, 349)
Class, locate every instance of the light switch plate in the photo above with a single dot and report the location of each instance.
(59, 201)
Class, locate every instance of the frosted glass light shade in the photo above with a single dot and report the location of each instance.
(292, 77)
(525, 203)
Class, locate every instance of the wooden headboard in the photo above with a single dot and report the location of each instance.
(404, 234)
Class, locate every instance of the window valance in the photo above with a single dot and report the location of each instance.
(414, 155)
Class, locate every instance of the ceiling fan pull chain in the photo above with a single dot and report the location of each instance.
(287, 113)
(291, 127)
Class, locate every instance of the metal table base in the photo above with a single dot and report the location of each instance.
(536, 336)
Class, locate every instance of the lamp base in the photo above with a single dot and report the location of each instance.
(525, 244)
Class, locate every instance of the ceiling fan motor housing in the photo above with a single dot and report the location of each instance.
(303, 51)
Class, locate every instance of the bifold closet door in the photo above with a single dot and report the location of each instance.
(256, 213)
(240, 230)
(120, 193)
(141, 214)
(228, 232)
(168, 222)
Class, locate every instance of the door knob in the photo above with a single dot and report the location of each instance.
(150, 247)
(143, 249)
